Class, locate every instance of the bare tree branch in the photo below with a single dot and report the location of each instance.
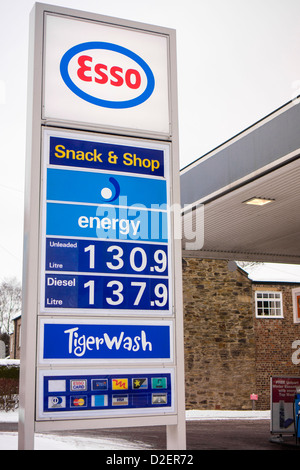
(10, 303)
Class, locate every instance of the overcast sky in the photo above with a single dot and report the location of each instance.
(238, 60)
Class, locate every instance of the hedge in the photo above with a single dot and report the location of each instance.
(9, 386)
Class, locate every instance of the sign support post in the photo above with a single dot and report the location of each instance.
(102, 321)
(31, 242)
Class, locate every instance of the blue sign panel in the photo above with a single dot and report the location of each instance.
(102, 341)
(104, 156)
(108, 222)
(106, 227)
(106, 292)
(105, 256)
(65, 393)
(103, 188)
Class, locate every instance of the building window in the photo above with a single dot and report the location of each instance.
(268, 304)
(296, 304)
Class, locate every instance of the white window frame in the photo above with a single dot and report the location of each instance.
(264, 295)
(296, 295)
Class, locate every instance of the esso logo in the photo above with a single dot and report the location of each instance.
(107, 75)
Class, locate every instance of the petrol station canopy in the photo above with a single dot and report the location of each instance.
(241, 201)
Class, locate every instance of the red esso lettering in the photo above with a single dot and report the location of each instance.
(115, 75)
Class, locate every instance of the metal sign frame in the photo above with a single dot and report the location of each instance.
(34, 369)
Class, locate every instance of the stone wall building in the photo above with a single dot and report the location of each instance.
(274, 338)
(219, 335)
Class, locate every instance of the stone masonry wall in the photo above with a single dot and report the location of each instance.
(219, 336)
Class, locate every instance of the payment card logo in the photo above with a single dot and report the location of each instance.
(56, 402)
(140, 383)
(120, 384)
(78, 402)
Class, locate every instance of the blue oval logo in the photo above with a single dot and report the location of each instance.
(132, 77)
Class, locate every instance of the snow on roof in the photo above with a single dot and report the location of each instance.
(17, 315)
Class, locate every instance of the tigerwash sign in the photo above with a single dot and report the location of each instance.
(102, 312)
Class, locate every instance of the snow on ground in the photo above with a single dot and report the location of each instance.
(13, 416)
(9, 440)
(9, 416)
(226, 414)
